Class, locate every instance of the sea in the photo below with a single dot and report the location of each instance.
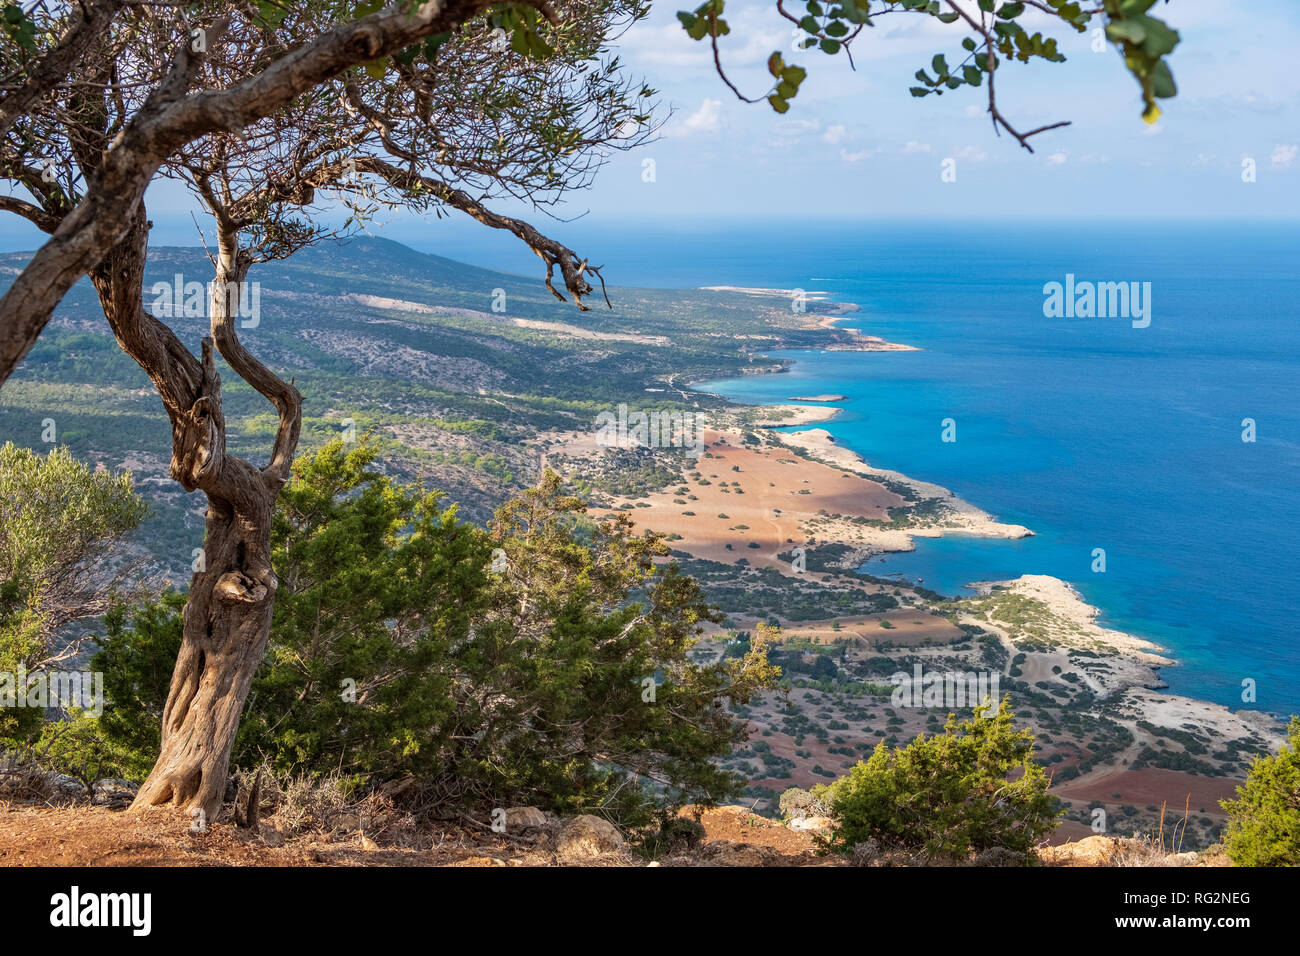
(1155, 456)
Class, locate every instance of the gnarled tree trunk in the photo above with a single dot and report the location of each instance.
(227, 626)
(228, 614)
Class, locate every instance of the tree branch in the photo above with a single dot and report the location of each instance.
(167, 121)
(41, 219)
(573, 269)
(90, 19)
(232, 271)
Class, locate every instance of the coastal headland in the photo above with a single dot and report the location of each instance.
(775, 525)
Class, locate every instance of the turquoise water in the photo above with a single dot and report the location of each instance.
(1092, 433)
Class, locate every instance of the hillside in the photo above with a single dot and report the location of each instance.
(403, 344)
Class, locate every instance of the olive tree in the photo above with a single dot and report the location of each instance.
(259, 184)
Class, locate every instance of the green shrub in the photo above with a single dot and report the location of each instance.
(798, 802)
(1264, 820)
(397, 650)
(949, 796)
(63, 527)
(678, 834)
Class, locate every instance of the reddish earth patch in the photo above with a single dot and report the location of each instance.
(1067, 831)
(910, 628)
(1150, 786)
(736, 830)
(96, 836)
(772, 507)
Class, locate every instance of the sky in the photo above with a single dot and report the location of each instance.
(856, 145)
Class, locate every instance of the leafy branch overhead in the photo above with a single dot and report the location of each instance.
(994, 34)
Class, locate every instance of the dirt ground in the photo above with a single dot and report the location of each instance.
(33, 835)
(97, 836)
(909, 627)
(733, 825)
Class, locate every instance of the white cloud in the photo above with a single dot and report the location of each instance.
(707, 119)
(787, 133)
(914, 147)
(856, 157)
(1056, 159)
(794, 128)
(833, 134)
(972, 111)
(971, 154)
(1284, 155)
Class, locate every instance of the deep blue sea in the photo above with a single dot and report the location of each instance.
(1092, 433)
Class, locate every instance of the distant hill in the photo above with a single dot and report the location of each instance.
(405, 344)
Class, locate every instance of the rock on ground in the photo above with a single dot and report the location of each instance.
(586, 836)
(812, 823)
(523, 818)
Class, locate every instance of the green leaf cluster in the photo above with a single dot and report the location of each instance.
(705, 21)
(1144, 41)
(18, 28)
(788, 80)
